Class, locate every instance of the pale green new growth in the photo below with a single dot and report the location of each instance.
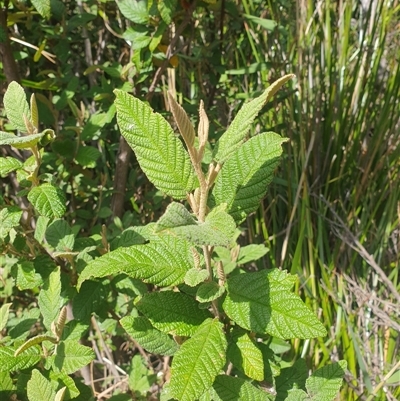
(20, 142)
(16, 107)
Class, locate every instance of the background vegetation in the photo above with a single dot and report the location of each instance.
(332, 214)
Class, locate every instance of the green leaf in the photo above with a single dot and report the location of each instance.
(43, 7)
(245, 355)
(149, 338)
(162, 263)
(72, 390)
(166, 9)
(39, 388)
(160, 153)
(290, 378)
(49, 298)
(244, 178)
(324, 384)
(134, 10)
(228, 388)
(7, 387)
(195, 276)
(268, 24)
(297, 395)
(11, 363)
(72, 356)
(87, 156)
(262, 302)
(209, 291)
(9, 218)
(4, 313)
(237, 131)
(20, 142)
(48, 200)
(60, 236)
(89, 300)
(41, 226)
(25, 275)
(218, 229)
(16, 107)
(9, 164)
(251, 252)
(198, 361)
(172, 312)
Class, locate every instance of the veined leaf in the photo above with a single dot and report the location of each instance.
(251, 252)
(9, 218)
(293, 377)
(325, 383)
(59, 235)
(237, 131)
(198, 361)
(11, 363)
(262, 302)
(218, 229)
(4, 313)
(71, 356)
(162, 263)
(209, 291)
(172, 312)
(151, 339)
(160, 153)
(135, 10)
(20, 142)
(9, 164)
(48, 200)
(16, 107)
(228, 388)
(43, 7)
(242, 181)
(39, 388)
(247, 357)
(50, 298)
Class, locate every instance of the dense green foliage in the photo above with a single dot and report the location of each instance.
(87, 241)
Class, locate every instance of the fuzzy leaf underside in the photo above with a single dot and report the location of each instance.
(9, 164)
(244, 178)
(218, 229)
(149, 338)
(172, 312)
(16, 107)
(198, 361)
(20, 142)
(237, 131)
(160, 153)
(48, 200)
(229, 388)
(262, 302)
(162, 263)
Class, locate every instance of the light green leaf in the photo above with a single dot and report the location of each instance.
(251, 252)
(172, 312)
(324, 384)
(237, 131)
(16, 107)
(6, 385)
(11, 363)
(60, 394)
(60, 236)
(262, 302)
(218, 229)
(160, 153)
(162, 263)
(4, 312)
(20, 142)
(90, 298)
(71, 356)
(87, 156)
(247, 357)
(48, 200)
(244, 178)
(43, 7)
(68, 381)
(297, 395)
(9, 164)
(209, 291)
(49, 298)
(149, 338)
(195, 276)
(198, 361)
(228, 388)
(134, 10)
(25, 275)
(293, 377)
(166, 9)
(268, 24)
(39, 388)
(9, 218)
(41, 226)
